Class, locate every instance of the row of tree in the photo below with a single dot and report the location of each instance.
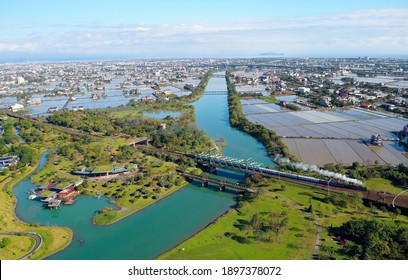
(374, 240)
(397, 174)
(237, 119)
(198, 91)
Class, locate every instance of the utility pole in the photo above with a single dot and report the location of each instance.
(385, 188)
(328, 184)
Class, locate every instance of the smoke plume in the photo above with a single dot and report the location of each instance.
(309, 167)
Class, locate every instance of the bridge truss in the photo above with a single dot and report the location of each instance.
(220, 92)
(216, 158)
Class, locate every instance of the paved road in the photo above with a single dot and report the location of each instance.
(37, 238)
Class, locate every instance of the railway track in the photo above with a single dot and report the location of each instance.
(373, 196)
(61, 128)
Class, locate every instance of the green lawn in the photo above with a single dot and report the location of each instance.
(19, 246)
(223, 239)
(128, 207)
(378, 184)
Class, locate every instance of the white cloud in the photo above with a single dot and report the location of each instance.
(372, 31)
(30, 47)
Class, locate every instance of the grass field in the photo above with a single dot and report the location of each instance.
(19, 246)
(379, 184)
(296, 241)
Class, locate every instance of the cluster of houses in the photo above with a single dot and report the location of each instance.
(53, 195)
(6, 162)
(376, 140)
(67, 79)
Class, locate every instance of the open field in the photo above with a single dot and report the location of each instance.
(343, 151)
(336, 136)
(352, 124)
(228, 238)
(19, 246)
(255, 106)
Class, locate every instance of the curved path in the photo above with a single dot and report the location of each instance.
(37, 238)
(317, 242)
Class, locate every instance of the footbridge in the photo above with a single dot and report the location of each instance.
(220, 92)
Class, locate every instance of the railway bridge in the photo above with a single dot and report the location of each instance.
(212, 158)
(222, 184)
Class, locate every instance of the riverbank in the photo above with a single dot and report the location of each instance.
(198, 91)
(283, 221)
(134, 191)
(55, 238)
(268, 138)
(179, 245)
(231, 237)
(108, 217)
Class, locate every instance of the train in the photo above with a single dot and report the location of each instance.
(244, 167)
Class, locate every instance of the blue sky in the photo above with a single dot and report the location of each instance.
(181, 28)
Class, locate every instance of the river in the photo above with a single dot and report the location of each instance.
(212, 116)
(161, 226)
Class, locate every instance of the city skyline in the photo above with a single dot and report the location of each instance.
(49, 30)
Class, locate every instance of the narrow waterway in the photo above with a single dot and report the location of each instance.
(212, 117)
(143, 235)
(159, 227)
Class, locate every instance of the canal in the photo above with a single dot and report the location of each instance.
(212, 116)
(159, 227)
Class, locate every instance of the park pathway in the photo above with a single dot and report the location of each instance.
(37, 238)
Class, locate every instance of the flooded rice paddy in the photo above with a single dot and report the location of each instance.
(336, 136)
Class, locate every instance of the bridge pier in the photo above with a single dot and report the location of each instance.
(222, 188)
(204, 184)
(212, 169)
(249, 175)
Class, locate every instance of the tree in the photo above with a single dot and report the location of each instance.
(394, 213)
(5, 242)
(256, 221)
(310, 209)
(371, 239)
(355, 165)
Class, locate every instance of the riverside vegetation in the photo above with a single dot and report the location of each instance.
(237, 119)
(276, 223)
(151, 180)
(105, 141)
(55, 238)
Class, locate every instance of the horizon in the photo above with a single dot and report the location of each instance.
(113, 30)
(119, 59)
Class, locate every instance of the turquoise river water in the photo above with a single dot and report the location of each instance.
(159, 227)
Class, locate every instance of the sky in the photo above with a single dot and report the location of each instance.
(79, 29)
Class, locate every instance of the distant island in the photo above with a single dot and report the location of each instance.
(271, 54)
